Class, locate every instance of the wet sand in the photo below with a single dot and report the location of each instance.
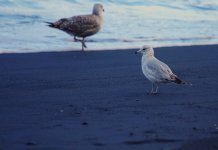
(97, 100)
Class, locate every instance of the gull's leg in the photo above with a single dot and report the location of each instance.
(156, 89)
(82, 46)
(152, 88)
(75, 39)
(83, 42)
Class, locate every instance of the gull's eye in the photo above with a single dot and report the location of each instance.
(143, 49)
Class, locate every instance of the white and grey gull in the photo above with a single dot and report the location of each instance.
(82, 25)
(155, 70)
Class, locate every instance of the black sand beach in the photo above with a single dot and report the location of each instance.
(97, 100)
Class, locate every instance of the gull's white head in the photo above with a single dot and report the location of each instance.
(146, 50)
(98, 9)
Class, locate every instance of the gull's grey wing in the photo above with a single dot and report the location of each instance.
(159, 71)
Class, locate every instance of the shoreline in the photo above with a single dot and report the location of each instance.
(2, 51)
(65, 100)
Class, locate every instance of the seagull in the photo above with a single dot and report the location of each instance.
(81, 25)
(155, 70)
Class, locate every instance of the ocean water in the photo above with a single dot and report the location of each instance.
(127, 24)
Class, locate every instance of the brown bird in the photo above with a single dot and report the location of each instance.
(82, 25)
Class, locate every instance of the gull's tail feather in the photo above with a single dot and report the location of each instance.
(179, 81)
(50, 24)
(58, 23)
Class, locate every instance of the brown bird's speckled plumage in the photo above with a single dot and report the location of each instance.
(81, 26)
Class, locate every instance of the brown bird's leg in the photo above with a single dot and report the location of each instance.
(83, 42)
(82, 46)
(76, 40)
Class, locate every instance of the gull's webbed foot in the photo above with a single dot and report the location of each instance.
(152, 93)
